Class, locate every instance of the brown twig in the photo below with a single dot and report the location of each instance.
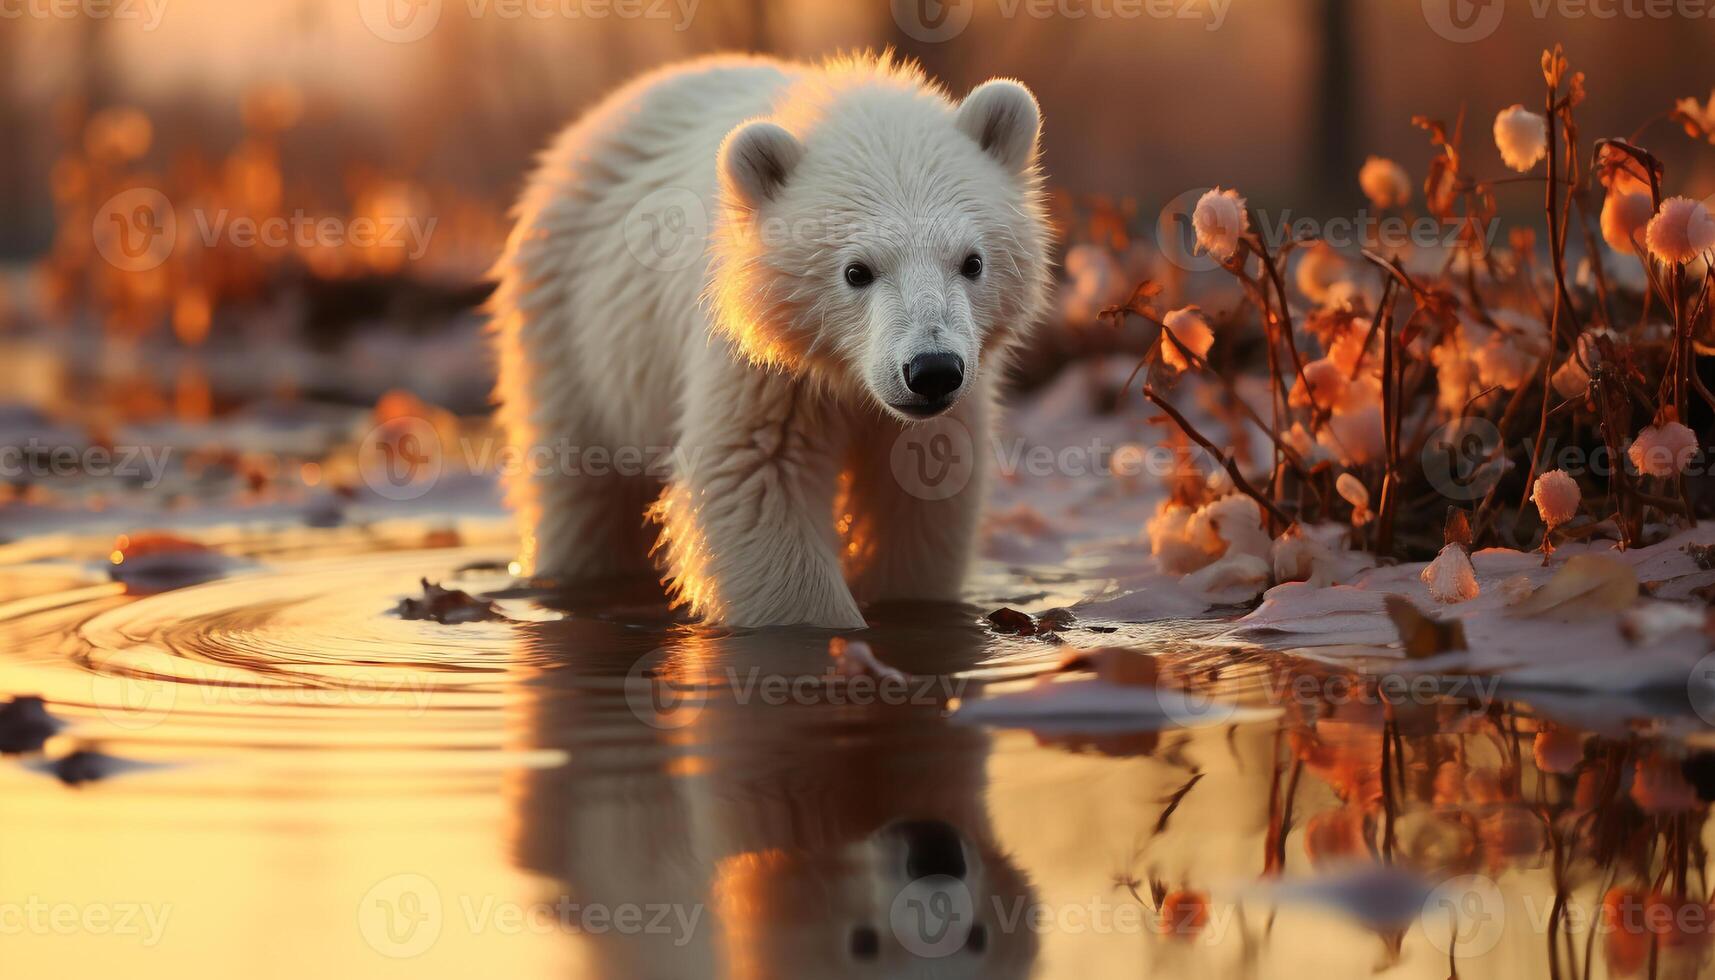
(1239, 481)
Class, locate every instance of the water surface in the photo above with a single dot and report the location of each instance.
(293, 780)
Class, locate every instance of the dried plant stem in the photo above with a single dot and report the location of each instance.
(1681, 338)
(1286, 453)
(1232, 468)
(1562, 297)
(1283, 452)
(1285, 320)
(1515, 404)
(1390, 436)
(1375, 325)
(1593, 249)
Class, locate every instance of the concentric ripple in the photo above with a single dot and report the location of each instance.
(303, 654)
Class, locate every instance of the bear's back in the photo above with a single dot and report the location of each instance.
(663, 129)
(602, 311)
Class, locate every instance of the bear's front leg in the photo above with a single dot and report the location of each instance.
(914, 500)
(747, 520)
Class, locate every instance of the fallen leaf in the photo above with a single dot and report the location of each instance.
(1588, 585)
(1055, 619)
(1008, 620)
(447, 606)
(1516, 589)
(1420, 635)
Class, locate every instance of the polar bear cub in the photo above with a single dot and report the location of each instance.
(749, 324)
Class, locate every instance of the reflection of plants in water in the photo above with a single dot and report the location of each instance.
(1454, 790)
(1467, 798)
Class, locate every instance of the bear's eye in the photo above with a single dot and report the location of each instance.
(859, 275)
(973, 266)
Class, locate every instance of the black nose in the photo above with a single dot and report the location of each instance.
(935, 376)
(932, 847)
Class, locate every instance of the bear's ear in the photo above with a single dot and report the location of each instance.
(1001, 115)
(756, 159)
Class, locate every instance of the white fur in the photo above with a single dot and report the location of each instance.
(779, 385)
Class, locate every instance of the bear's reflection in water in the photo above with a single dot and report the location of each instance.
(764, 822)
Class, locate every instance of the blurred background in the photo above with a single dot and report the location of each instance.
(385, 139)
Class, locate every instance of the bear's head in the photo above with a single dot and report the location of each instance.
(880, 238)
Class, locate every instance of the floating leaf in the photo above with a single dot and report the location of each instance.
(1589, 585)
(1055, 619)
(447, 606)
(1008, 620)
(1420, 635)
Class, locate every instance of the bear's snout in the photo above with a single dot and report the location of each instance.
(935, 376)
(932, 848)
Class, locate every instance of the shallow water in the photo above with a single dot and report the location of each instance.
(294, 780)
